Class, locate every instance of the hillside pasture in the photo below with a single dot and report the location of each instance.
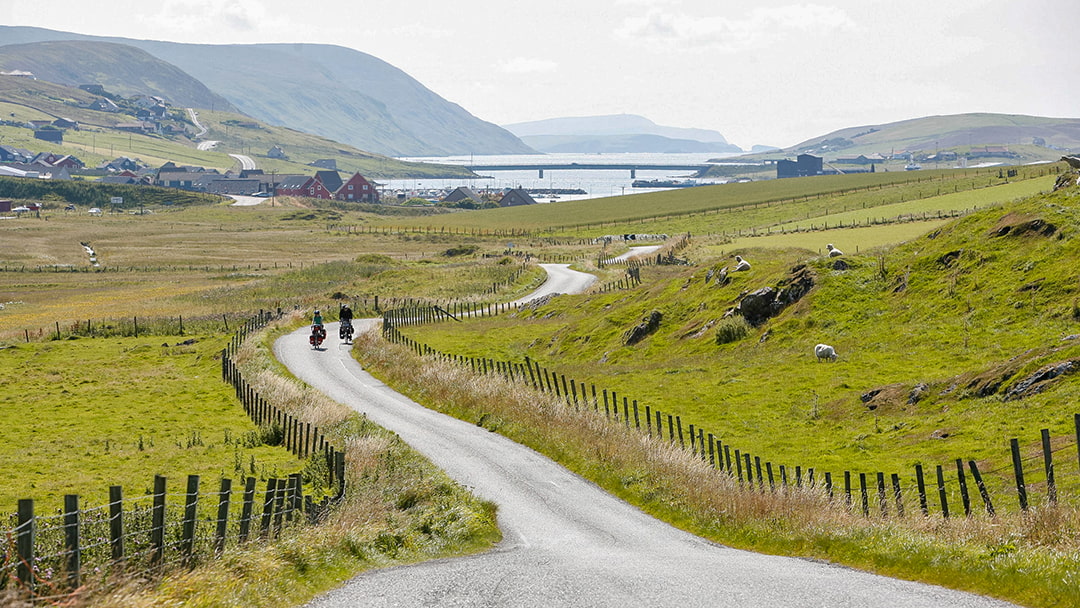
(901, 317)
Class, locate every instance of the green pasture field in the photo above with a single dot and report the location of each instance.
(725, 207)
(206, 261)
(899, 317)
(853, 240)
(854, 231)
(81, 415)
(967, 200)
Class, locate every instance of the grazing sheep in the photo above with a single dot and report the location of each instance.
(741, 264)
(833, 251)
(824, 351)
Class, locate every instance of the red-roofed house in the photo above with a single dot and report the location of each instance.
(310, 187)
(357, 189)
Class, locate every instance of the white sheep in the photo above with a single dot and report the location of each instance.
(833, 251)
(741, 264)
(824, 351)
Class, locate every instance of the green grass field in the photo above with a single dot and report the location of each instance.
(85, 414)
(730, 207)
(1002, 307)
(951, 304)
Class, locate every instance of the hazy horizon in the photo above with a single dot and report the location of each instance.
(774, 73)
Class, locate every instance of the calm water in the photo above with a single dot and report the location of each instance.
(594, 183)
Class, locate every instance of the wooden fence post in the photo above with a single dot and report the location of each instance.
(246, 509)
(982, 487)
(157, 526)
(1018, 471)
(339, 466)
(941, 492)
(268, 507)
(962, 481)
(116, 522)
(864, 495)
(898, 495)
(224, 494)
(1048, 464)
(920, 484)
(24, 543)
(1076, 426)
(71, 539)
(191, 504)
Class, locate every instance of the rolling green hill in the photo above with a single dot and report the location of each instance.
(959, 132)
(963, 317)
(97, 140)
(339, 93)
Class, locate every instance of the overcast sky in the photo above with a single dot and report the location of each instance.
(770, 72)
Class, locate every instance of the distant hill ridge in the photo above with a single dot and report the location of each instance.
(617, 133)
(950, 131)
(340, 93)
(121, 69)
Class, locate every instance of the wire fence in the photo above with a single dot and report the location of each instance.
(1030, 472)
(49, 555)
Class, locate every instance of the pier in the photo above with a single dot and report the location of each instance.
(633, 168)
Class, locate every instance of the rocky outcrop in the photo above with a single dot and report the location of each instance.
(1013, 225)
(647, 327)
(1067, 180)
(1041, 380)
(765, 303)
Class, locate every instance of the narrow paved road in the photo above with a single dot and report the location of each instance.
(634, 252)
(566, 542)
(246, 162)
(561, 279)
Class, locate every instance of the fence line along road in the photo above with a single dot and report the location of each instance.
(565, 541)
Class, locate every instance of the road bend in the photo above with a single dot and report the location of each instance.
(567, 542)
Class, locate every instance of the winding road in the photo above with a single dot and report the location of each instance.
(566, 541)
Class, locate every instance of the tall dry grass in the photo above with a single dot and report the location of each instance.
(1032, 558)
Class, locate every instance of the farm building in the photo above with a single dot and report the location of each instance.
(516, 198)
(805, 165)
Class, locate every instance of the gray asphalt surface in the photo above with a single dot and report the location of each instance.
(561, 279)
(634, 252)
(566, 542)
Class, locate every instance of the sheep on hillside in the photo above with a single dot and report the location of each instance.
(824, 351)
(741, 264)
(833, 251)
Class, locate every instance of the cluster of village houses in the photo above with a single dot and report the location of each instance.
(152, 114)
(325, 183)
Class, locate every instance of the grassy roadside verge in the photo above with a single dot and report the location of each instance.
(398, 509)
(1031, 559)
